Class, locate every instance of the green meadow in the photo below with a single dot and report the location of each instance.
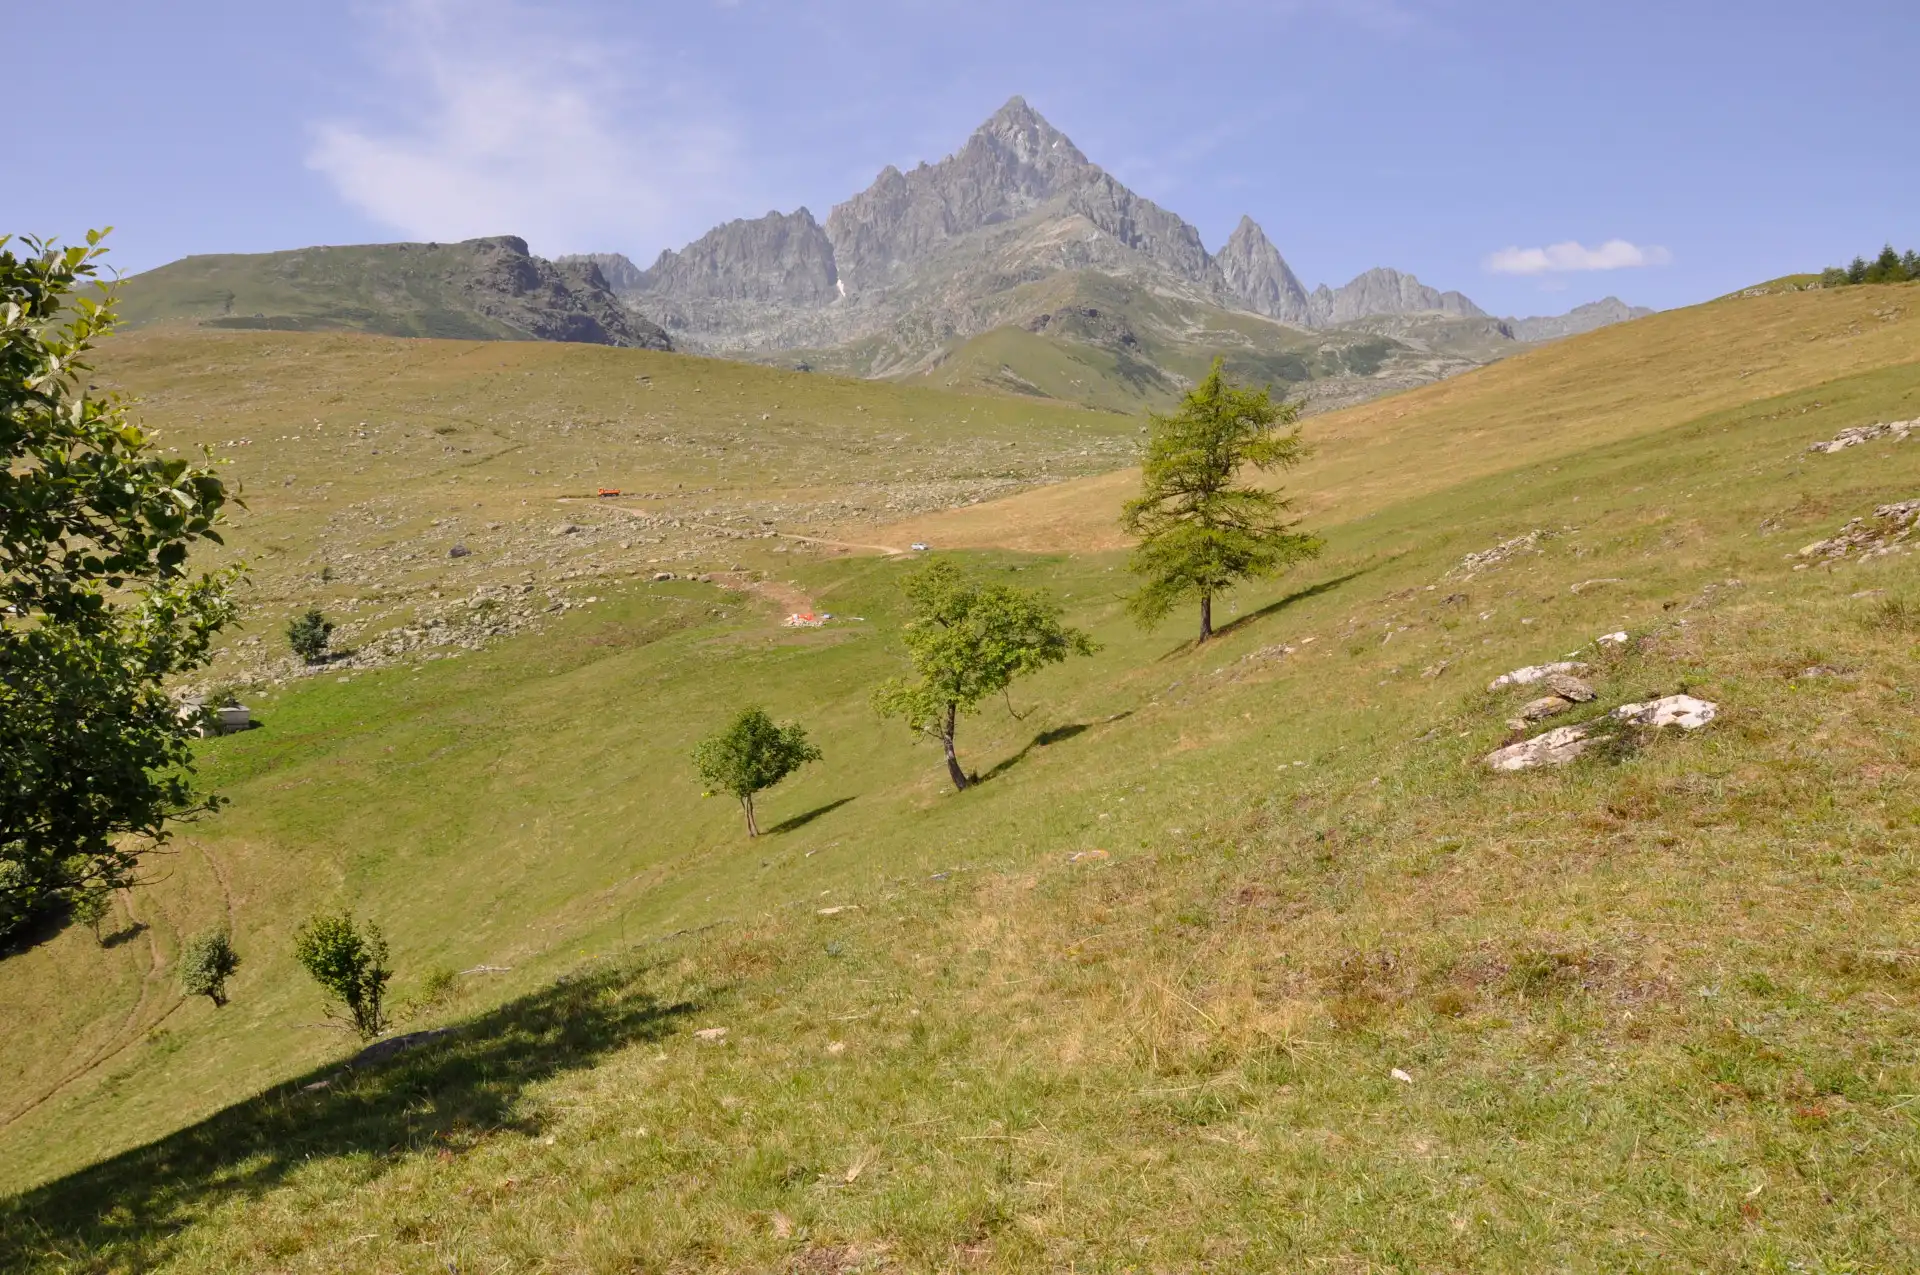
(1237, 959)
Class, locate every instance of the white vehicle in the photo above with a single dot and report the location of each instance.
(919, 546)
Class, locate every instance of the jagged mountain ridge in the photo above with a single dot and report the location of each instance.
(896, 280)
(1016, 167)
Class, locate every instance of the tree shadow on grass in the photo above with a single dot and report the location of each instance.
(125, 934)
(445, 1097)
(801, 821)
(1251, 617)
(1059, 734)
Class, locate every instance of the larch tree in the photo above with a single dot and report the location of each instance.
(1200, 528)
(968, 639)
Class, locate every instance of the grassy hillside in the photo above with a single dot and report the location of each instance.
(364, 462)
(1612, 384)
(481, 289)
(1137, 1001)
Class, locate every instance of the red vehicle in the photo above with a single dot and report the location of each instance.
(609, 491)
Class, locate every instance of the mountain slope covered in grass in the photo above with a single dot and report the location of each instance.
(485, 289)
(1237, 956)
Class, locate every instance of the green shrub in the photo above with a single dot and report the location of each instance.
(206, 963)
(351, 964)
(309, 634)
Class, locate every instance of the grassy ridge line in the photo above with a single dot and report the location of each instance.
(1619, 382)
(1232, 997)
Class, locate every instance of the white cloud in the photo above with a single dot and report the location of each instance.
(1614, 254)
(488, 122)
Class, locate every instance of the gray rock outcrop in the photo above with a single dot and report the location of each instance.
(549, 300)
(781, 258)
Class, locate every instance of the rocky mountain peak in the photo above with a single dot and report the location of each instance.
(1383, 290)
(1025, 137)
(1259, 276)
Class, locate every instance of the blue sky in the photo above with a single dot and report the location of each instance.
(1505, 148)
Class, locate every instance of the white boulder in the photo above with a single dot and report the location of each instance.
(1683, 711)
(1555, 748)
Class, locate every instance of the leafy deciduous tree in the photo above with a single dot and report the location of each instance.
(206, 963)
(1200, 529)
(752, 754)
(969, 639)
(97, 606)
(351, 964)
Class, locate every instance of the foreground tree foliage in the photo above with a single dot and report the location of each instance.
(350, 963)
(751, 755)
(1200, 529)
(969, 639)
(97, 606)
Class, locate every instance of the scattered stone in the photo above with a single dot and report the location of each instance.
(1546, 706)
(1885, 533)
(1820, 670)
(1535, 673)
(567, 529)
(1555, 748)
(1474, 563)
(1683, 711)
(1612, 639)
(711, 1035)
(838, 908)
(662, 575)
(1401, 1076)
(459, 551)
(1590, 584)
(1083, 856)
(1435, 670)
(1897, 430)
(1569, 687)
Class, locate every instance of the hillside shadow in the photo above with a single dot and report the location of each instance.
(445, 1098)
(801, 821)
(1058, 734)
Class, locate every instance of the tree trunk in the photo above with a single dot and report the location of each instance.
(746, 804)
(954, 772)
(1206, 616)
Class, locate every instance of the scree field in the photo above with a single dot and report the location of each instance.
(1236, 959)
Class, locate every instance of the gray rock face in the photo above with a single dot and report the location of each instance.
(550, 301)
(1582, 318)
(1385, 291)
(1012, 164)
(1259, 276)
(779, 258)
(622, 275)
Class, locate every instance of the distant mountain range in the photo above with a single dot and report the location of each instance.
(901, 277)
(1015, 265)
